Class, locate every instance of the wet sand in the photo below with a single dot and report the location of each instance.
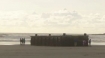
(27, 51)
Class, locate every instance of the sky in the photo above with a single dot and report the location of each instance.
(52, 16)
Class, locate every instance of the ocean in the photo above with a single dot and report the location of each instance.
(14, 38)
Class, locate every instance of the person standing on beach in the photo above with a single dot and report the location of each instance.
(89, 42)
(24, 41)
(20, 41)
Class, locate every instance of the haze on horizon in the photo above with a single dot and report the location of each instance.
(52, 16)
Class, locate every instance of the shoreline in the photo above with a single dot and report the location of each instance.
(28, 43)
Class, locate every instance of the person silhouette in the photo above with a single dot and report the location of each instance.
(20, 41)
(89, 42)
(24, 41)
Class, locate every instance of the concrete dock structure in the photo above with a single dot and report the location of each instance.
(60, 40)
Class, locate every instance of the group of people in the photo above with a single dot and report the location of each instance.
(22, 41)
(83, 42)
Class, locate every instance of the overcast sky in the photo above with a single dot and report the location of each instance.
(52, 16)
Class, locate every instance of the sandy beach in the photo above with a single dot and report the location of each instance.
(27, 51)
